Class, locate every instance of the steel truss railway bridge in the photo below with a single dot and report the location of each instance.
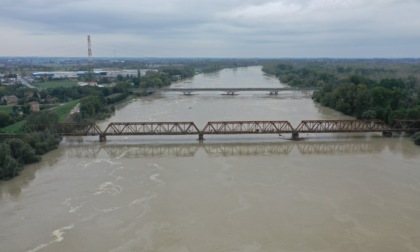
(230, 128)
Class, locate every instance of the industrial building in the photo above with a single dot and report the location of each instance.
(77, 74)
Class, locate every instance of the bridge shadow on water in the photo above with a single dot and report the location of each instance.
(319, 146)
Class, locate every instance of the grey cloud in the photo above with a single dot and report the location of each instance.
(223, 27)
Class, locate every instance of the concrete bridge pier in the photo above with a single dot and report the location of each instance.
(102, 138)
(295, 136)
(201, 137)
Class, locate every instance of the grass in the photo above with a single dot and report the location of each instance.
(54, 84)
(62, 110)
(14, 128)
(6, 109)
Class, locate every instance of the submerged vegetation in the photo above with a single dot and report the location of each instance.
(28, 146)
(364, 89)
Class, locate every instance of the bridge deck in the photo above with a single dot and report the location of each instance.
(232, 89)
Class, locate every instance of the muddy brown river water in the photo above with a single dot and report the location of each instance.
(330, 192)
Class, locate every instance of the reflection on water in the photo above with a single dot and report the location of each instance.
(227, 149)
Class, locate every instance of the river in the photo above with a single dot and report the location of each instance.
(330, 192)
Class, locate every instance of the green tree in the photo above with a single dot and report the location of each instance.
(361, 101)
(369, 114)
(39, 121)
(9, 167)
(5, 119)
(22, 152)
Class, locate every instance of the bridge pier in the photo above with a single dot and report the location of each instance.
(201, 137)
(102, 138)
(295, 136)
(387, 133)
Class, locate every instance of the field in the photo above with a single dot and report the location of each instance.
(54, 84)
(6, 109)
(63, 110)
(14, 128)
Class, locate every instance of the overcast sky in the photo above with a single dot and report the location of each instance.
(211, 28)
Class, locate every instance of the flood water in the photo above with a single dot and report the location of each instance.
(330, 192)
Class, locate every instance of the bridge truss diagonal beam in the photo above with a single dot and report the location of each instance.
(248, 127)
(151, 128)
(407, 125)
(331, 126)
(69, 129)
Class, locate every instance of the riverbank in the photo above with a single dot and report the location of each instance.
(373, 90)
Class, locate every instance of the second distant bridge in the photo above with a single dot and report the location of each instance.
(227, 90)
(230, 127)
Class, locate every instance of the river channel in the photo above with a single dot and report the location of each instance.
(328, 192)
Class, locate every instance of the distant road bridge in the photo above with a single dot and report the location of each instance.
(227, 90)
(231, 128)
(233, 91)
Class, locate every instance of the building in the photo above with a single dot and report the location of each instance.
(97, 72)
(10, 99)
(34, 106)
(58, 75)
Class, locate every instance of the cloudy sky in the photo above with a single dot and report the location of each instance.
(211, 28)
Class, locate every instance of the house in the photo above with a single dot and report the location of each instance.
(50, 99)
(29, 95)
(10, 99)
(34, 106)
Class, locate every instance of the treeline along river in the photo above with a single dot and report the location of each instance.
(328, 192)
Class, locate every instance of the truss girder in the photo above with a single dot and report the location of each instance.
(151, 128)
(248, 127)
(331, 126)
(407, 125)
(70, 129)
(228, 127)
